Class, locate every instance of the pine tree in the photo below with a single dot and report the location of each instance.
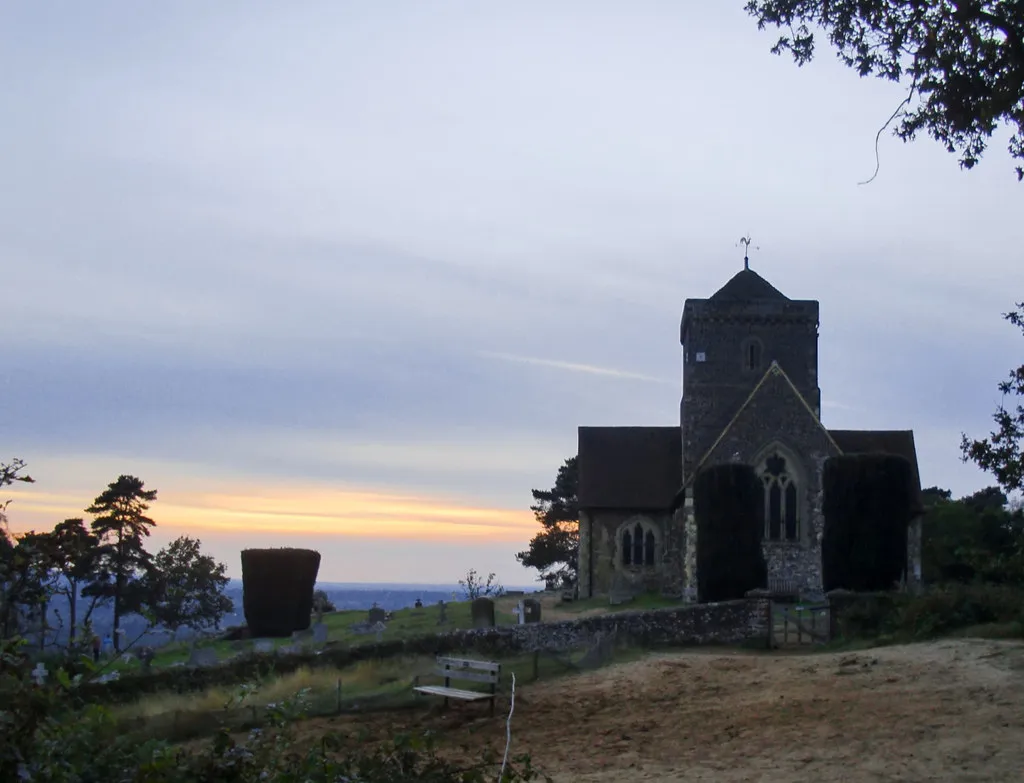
(121, 525)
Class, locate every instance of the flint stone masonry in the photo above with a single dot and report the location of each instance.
(728, 622)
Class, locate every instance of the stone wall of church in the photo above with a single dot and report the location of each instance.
(609, 574)
(776, 416)
(715, 388)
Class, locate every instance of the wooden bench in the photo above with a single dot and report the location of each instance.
(467, 671)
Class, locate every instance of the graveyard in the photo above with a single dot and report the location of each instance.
(353, 627)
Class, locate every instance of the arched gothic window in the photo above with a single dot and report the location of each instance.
(639, 546)
(781, 499)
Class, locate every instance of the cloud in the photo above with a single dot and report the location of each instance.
(396, 253)
(574, 367)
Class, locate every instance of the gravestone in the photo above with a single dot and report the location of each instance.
(263, 645)
(520, 613)
(204, 656)
(39, 673)
(600, 652)
(531, 610)
(376, 615)
(442, 615)
(418, 605)
(483, 612)
(146, 659)
(320, 634)
(379, 628)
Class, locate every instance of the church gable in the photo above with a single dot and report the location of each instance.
(773, 414)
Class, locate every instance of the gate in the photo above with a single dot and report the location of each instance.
(796, 625)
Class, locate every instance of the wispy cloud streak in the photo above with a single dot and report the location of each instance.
(576, 367)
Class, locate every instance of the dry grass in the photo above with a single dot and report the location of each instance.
(948, 710)
(363, 677)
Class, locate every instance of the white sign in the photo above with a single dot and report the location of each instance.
(700, 356)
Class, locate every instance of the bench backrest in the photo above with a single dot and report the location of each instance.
(471, 671)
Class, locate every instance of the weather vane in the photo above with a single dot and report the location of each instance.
(745, 241)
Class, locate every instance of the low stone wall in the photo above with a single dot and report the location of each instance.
(728, 622)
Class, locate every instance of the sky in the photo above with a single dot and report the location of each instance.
(350, 275)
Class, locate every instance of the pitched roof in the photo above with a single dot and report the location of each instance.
(773, 370)
(629, 467)
(897, 442)
(747, 286)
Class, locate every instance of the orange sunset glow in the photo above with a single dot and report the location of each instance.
(301, 512)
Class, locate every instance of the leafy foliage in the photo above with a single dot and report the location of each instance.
(554, 551)
(322, 602)
(939, 609)
(1002, 452)
(973, 539)
(186, 587)
(25, 587)
(11, 472)
(728, 505)
(74, 556)
(46, 739)
(868, 506)
(963, 62)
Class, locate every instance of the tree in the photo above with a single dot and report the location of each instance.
(186, 587)
(26, 586)
(121, 525)
(1002, 452)
(322, 602)
(554, 551)
(9, 473)
(475, 587)
(13, 563)
(977, 538)
(962, 61)
(74, 554)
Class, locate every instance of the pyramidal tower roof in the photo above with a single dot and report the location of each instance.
(748, 286)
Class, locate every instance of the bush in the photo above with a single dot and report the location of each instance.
(728, 505)
(936, 611)
(277, 590)
(867, 507)
(44, 740)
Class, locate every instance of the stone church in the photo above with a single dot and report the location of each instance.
(750, 395)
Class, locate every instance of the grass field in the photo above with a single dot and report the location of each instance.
(367, 686)
(408, 623)
(404, 624)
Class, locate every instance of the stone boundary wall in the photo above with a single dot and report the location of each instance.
(726, 623)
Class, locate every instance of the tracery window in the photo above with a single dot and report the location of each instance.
(639, 546)
(781, 499)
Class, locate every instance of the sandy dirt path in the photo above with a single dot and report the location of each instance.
(945, 711)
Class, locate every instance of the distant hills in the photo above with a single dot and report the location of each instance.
(344, 596)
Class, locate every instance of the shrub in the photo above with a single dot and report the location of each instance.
(277, 589)
(42, 738)
(936, 611)
(867, 508)
(729, 510)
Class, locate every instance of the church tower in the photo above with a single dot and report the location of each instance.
(729, 342)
